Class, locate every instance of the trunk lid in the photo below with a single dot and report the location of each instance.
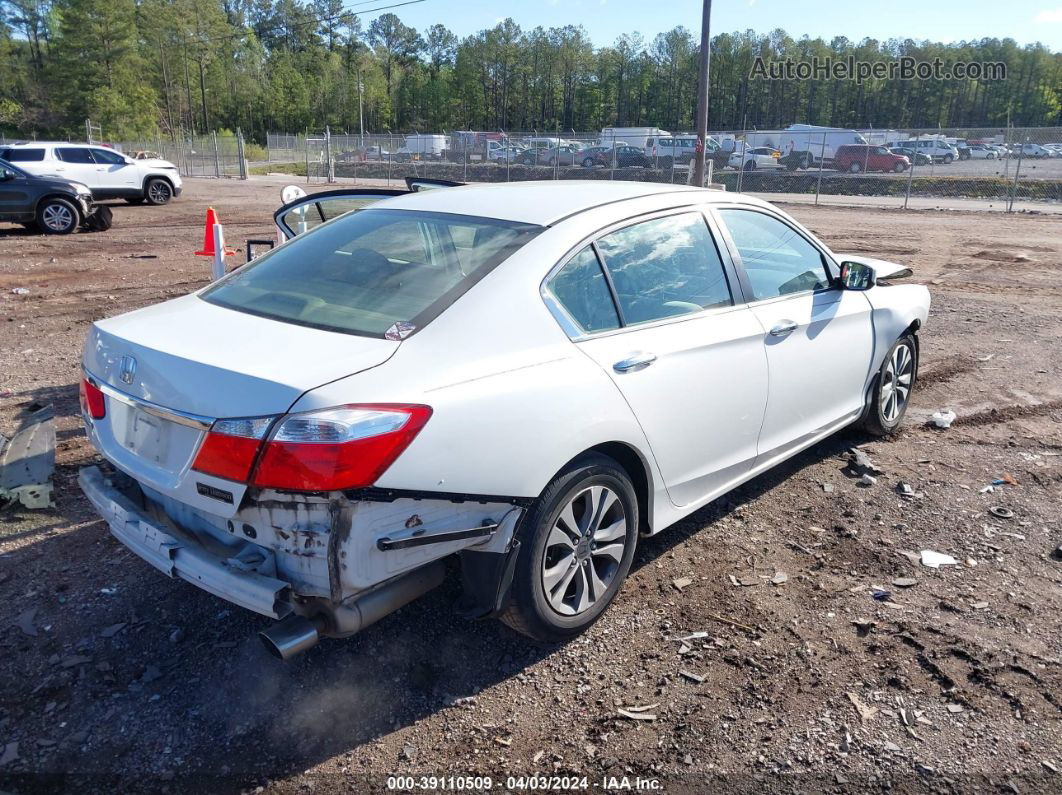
(168, 370)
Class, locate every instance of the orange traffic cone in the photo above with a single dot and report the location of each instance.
(208, 236)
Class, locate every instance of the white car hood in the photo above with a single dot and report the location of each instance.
(203, 359)
(155, 162)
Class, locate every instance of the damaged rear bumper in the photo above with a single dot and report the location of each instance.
(178, 558)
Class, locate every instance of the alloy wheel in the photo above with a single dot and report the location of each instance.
(57, 217)
(584, 550)
(159, 192)
(896, 383)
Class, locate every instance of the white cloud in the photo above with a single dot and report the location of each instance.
(1050, 15)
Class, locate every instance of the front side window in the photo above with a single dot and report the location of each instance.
(108, 158)
(366, 271)
(665, 267)
(777, 259)
(581, 289)
(74, 154)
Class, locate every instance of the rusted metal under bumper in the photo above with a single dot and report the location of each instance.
(177, 558)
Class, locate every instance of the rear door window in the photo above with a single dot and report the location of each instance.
(23, 155)
(74, 154)
(665, 267)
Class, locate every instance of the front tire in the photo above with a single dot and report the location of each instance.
(57, 217)
(588, 162)
(578, 541)
(158, 191)
(947, 160)
(892, 388)
(855, 168)
(899, 168)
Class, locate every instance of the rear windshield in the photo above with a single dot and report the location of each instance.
(366, 271)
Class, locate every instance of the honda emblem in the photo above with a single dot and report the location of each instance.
(127, 369)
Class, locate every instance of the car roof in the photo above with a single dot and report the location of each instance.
(538, 202)
(52, 143)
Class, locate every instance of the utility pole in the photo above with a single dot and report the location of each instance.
(702, 97)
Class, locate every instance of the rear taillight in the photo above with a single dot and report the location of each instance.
(344, 448)
(230, 447)
(92, 400)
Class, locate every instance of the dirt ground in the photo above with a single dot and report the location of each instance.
(114, 678)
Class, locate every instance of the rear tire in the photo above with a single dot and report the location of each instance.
(750, 165)
(577, 544)
(855, 168)
(57, 217)
(892, 388)
(588, 162)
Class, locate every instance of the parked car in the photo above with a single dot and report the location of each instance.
(862, 157)
(677, 149)
(1054, 149)
(376, 153)
(324, 484)
(755, 157)
(48, 204)
(563, 155)
(624, 156)
(107, 173)
(507, 154)
(912, 155)
(982, 152)
(963, 148)
(1034, 150)
(937, 148)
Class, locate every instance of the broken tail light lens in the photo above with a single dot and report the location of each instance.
(92, 401)
(230, 447)
(343, 448)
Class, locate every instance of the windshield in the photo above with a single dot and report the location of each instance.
(14, 169)
(366, 271)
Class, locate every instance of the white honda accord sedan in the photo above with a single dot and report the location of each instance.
(525, 376)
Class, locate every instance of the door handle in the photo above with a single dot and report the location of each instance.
(634, 362)
(783, 328)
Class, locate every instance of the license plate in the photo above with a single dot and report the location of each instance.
(147, 436)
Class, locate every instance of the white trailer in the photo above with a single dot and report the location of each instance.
(635, 136)
(804, 145)
(426, 146)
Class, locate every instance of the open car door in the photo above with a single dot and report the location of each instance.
(423, 183)
(306, 212)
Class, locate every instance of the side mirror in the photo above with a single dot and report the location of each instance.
(6, 176)
(857, 275)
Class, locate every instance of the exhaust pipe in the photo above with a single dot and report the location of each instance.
(296, 634)
(292, 636)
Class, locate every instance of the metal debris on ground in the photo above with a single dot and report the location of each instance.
(691, 676)
(27, 461)
(638, 713)
(20, 291)
(904, 582)
(934, 560)
(1000, 512)
(942, 419)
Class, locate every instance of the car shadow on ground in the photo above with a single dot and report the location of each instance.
(182, 688)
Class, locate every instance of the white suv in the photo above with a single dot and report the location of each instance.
(108, 174)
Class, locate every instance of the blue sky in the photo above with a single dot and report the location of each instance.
(940, 20)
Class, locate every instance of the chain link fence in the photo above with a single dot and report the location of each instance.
(978, 168)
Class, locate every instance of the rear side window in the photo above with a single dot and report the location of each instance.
(23, 155)
(365, 272)
(665, 267)
(776, 258)
(74, 154)
(581, 289)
